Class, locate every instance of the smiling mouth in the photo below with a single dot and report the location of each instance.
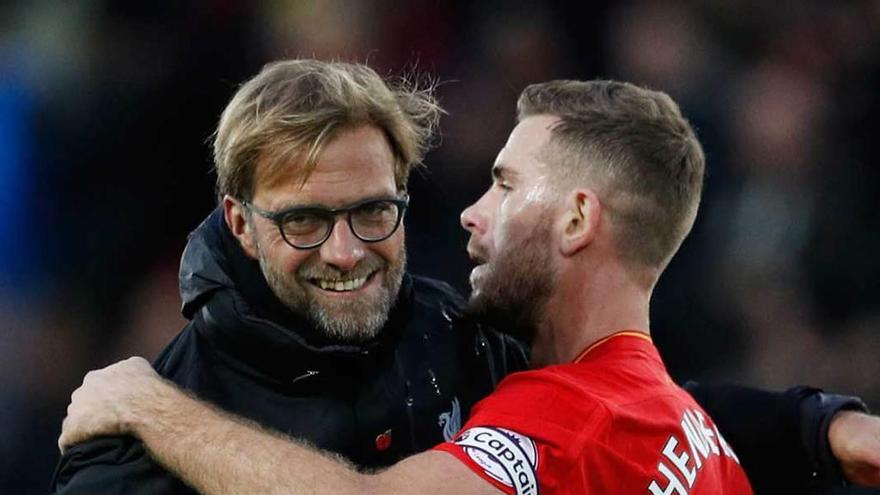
(349, 284)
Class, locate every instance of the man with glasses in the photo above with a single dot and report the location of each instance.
(304, 320)
(302, 317)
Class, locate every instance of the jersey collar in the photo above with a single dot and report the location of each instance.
(623, 333)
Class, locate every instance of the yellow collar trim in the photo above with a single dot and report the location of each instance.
(625, 333)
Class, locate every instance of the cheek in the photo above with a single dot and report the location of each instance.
(292, 260)
(501, 223)
(517, 213)
(390, 249)
(283, 257)
(493, 210)
(510, 225)
(499, 235)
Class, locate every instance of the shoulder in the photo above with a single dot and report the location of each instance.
(179, 358)
(543, 398)
(431, 307)
(194, 362)
(529, 432)
(111, 465)
(437, 297)
(436, 293)
(549, 382)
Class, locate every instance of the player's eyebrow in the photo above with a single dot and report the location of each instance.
(501, 173)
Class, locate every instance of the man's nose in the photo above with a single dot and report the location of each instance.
(342, 249)
(472, 220)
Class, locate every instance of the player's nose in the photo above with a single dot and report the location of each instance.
(473, 219)
(342, 249)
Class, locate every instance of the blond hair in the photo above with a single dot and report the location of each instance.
(293, 108)
(636, 148)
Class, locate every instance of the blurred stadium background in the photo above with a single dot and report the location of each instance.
(105, 108)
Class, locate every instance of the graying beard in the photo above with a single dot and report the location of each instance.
(345, 328)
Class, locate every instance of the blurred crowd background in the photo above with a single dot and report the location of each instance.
(106, 108)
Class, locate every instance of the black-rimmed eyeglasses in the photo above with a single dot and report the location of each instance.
(307, 227)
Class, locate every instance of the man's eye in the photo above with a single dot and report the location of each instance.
(375, 211)
(504, 186)
(299, 219)
(301, 223)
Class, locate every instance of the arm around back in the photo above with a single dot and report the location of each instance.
(780, 437)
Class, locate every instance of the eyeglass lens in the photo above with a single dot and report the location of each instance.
(370, 221)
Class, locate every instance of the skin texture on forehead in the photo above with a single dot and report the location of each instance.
(522, 157)
(366, 150)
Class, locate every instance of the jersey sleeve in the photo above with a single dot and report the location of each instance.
(526, 436)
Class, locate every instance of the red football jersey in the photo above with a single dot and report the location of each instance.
(612, 422)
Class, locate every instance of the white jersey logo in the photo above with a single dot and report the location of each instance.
(504, 455)
(450, 421)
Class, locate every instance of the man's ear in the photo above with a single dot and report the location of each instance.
(582, 213)
(233, 213)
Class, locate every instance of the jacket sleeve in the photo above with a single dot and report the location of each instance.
(112, 466)
(781, 438)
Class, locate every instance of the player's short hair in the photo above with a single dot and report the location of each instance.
(293, 108)
(633, 146)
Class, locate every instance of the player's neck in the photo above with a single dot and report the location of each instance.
(585, 309)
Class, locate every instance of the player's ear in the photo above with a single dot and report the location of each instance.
(236, 220)
(581, 214)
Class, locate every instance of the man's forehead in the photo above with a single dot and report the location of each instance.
(356, 165)
(533, 130)
(333, 191)
(525, 143)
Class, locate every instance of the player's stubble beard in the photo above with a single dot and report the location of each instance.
(514, 291)
(351, 320)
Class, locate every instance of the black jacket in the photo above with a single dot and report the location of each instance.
(244, 351)
(373, 403)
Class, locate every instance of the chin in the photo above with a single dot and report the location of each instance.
(353, 320)
(352, 331)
